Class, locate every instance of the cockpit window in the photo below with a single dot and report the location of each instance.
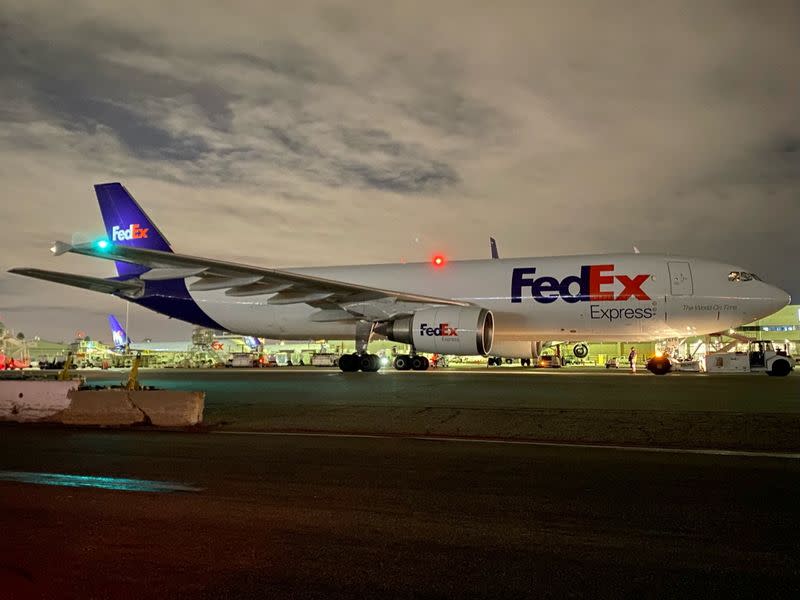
(742, 276)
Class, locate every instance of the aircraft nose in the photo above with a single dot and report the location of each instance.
(781, 297)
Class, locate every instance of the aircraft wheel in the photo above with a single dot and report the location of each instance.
(349, 363)
(580, 350)
(402, 362)
(525, 362)
(419, 363)
(369, 363)
(780, 368)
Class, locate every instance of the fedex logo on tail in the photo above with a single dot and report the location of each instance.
(119, 338)
(593, 284)
(132, 232)
(443, 330)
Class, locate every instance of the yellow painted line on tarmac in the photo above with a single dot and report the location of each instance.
(500, 441)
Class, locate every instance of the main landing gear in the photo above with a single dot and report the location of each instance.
(350, 363)
(361, 360)
(413, 362)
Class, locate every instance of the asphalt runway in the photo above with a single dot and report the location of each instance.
(222, 515)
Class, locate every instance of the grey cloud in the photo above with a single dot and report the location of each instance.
(298, 128)
(290, 60)
(403, 178)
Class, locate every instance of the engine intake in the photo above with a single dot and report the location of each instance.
(448, 330)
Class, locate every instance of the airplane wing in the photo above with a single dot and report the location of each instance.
(96, 284)
(242, 280)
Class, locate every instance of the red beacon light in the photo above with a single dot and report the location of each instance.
(438, 260)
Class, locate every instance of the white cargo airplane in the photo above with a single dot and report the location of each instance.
(485, 307)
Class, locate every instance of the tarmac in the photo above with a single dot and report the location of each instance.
(300, 516)
(752, 412)
(246, 506)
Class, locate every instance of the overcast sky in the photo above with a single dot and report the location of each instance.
(306, 133)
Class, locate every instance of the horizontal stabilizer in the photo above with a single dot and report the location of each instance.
(96, 284)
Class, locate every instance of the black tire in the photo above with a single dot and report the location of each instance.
(659, 366)
(580, 350)
(525, 362)
(349, 363)
(369, 363)
(426, 363)
(402, 362)
(418, 363)
(780, 368)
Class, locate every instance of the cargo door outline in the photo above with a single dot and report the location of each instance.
(680, 279)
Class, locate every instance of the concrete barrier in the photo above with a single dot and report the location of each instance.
(100, 407)
(34, 399)
(170, 408)
(120, 407)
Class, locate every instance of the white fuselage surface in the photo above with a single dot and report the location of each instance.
(624, 297)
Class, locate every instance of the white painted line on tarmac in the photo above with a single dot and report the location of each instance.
(465, 440)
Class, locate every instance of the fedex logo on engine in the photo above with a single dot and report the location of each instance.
(133, 232)
(595, 284)
(443, 330)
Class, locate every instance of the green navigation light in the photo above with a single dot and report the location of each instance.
(102, 244)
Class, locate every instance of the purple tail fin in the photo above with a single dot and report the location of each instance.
(117, 332)
(127, 224)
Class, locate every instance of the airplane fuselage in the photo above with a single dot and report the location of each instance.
(623, 297)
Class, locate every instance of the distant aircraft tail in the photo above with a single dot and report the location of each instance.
(128, 225)
(118, 334)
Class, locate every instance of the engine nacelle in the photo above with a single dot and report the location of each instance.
(447, 330)
(515, 349)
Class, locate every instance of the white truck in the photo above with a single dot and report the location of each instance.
(240, 360)
(324, 359)
(761, 356)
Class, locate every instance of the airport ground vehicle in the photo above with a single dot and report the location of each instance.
(242, 360)
(324, 359)
(449, 307)
(549, 361)
(613, 362)
(761, 356)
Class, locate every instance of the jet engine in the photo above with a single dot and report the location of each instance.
(515, 349)
(448, 330)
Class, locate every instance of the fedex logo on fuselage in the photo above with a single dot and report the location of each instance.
(593, 284)
(443, 330)
(133, 232)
